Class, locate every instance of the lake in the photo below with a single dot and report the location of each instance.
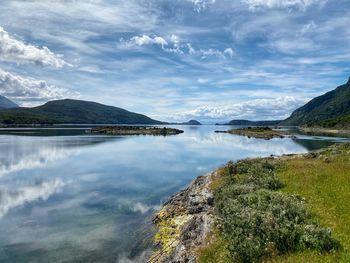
(68, 196)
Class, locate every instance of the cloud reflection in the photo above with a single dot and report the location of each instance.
(41, 191)
(21, 154)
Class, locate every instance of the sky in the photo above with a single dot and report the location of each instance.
(175, 60)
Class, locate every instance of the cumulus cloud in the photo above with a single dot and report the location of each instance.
(229, 52)
(11, 198)
(15, 50)
(147, 40)
(261, 109)
(26, 90)
(205, 53)
(174, 45)
(301, 4)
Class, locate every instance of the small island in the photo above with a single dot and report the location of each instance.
(135, 130)
(258, 132)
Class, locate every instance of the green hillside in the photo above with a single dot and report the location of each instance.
(73, 112)
(328, 109)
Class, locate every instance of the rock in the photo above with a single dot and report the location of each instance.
(184, 222)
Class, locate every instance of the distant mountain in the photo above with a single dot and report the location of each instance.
(253, 123)
(330, 106)
(73, 112)
(5, 103)
(191, 122)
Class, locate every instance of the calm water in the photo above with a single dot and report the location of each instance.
(66, 196)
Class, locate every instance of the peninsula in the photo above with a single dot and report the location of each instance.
(258, 132)
(135, 130)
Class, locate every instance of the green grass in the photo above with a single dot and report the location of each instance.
(325, 183)
(323, 179)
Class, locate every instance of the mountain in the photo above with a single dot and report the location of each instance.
(5, 103)
(333, 104)
(73, 112)
(253, 123)
(191, 122)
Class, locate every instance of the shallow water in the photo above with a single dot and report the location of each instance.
(67, 196)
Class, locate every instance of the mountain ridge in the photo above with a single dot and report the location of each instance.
(69, 111)
(253, 123)
(6, 103)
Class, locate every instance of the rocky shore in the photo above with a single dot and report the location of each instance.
(184, 222)
(135, 130)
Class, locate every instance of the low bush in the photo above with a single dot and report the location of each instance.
(257, 221)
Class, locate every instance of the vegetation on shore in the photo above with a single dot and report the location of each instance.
(135, 130)
(258, 132)
(339, 123)
(262, 214)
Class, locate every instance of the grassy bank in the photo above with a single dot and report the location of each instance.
(262, 215)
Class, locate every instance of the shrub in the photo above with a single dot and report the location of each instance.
(259, 222)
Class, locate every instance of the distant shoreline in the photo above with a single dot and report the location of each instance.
(320, 130)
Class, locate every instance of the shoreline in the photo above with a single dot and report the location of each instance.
(186, 222)
(320, 131)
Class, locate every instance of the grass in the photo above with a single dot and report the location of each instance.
(215, 249)
(325, 182)
(323, 179)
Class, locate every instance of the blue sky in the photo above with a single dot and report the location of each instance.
(212, 60)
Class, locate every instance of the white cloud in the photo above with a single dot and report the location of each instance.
(258, 109)
(28, 90)
(12, 49)
(301, 4)
(292, 45)
(229, 52)
(206, 53)
(16, 197)
(174, 45)
(147, 40)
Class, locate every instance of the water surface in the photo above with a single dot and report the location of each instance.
(67, 196)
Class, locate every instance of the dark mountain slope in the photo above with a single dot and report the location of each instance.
(191, 122)
(333, 104)
(73, 112)
(5, 103)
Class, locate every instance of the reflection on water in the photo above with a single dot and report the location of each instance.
(86, 198)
